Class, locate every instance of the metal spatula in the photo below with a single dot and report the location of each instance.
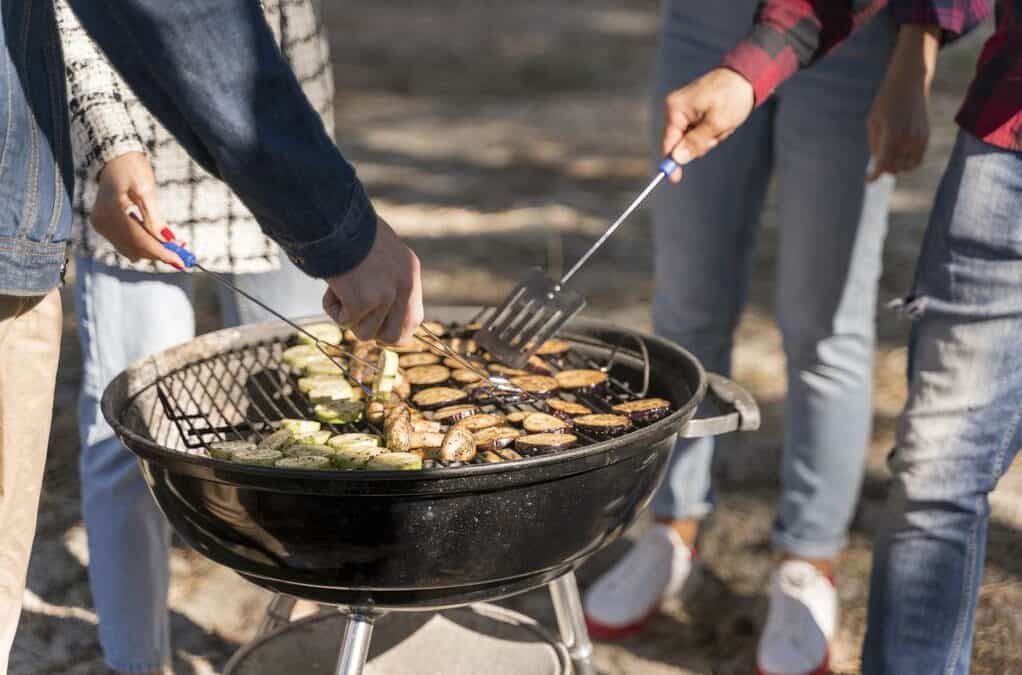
(538, 307)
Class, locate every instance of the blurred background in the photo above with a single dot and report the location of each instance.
(496, 136)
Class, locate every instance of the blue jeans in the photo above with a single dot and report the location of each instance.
(960, 428)
(124, 316)
(811, 140)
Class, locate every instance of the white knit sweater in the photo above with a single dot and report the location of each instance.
(107, 121)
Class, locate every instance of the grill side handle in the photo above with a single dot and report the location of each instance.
(739, 410)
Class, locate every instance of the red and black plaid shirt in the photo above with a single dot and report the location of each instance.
(792, 34)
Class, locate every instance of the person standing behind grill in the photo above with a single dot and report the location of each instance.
(127, 310)
(811, 137)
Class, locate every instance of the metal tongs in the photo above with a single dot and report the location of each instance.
(538, 307)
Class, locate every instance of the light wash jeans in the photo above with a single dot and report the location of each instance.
(960, 428)
(810, 139)
(124, 316)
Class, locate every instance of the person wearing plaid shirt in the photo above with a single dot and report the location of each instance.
(961, 427)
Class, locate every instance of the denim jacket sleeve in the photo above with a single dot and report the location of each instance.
(212, 73)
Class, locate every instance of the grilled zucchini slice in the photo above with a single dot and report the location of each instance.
(296, 426)
(227, 449)
(306, 463)
(395, 461)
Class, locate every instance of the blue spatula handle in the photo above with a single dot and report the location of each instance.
(668, 166)
(187, 257)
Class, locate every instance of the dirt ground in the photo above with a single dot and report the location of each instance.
(499, 135)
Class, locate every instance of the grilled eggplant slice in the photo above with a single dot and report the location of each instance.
(486, 393)
(554, 348)
(538, 366)
(644, 410)
(338, 412)
(542, 423)
(506, 371)
(602, 425)
(537, 444)
(296, 426)
(277, 440)
(227, 449)
(508, 454)
(452, 413)
(489, 457)
(455, 364)
(465, 376)
(330, 333)
(427, 376)
(459, 445)
(416, 360)
(517, 417)
(256, 457)
(438, 397)
(316, 437)
(581, 381)
(495, 438)
(542, 386)
(462, 345)
(307, 463)
(481, 421)
(566, 409)
(394, 461)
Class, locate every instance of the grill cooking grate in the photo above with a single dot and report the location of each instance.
(241, 394)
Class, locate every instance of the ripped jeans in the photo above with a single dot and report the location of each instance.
(960, 428)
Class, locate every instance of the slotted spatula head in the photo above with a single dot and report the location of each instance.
(533, 313)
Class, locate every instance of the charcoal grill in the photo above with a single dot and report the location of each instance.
(377, 542)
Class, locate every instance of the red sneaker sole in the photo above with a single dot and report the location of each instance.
(607, 633)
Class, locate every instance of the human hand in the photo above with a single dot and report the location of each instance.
(898, 126)
(382, 296)
(127, 184)
(703, 113)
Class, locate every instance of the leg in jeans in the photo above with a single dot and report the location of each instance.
(832, 229)
(124, 316)
(288, 290)
(29, 347)
(960, 428)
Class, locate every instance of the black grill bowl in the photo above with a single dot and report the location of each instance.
(404, 540)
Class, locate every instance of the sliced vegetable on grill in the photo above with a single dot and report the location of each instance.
(542, 423)
(296, 357)
(307, 450)
(386, 375)
(455, 364)
(434, 327)
(486, 393)
(459, 445)
(338, 412)
(425, 439)
(438, 397)
(581, 380)
(535, 444)
(465, 376)
(296, 426)
(361, 369)
(308, 383)
(452, 413)
(354, 457)
(317, 437)
(427, 376)
(566, 409)
(517, 417)
(537, 385)
(226, 449)
(644, 410)
(374, 411)
(508, 454)
(257, 457)
(481, 421)
(602, 425)
(322, 366)
(330, 333)
(462, 345)
(538, 366)
(354, 439)
(427, 426)
(506, 371)
(490, 457)
(416, 360)
(398, 433)
(495, 438)
(306, 463)
(394, 461)
(554, 348)
(277, 440)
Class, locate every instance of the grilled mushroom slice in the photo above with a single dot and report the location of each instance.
(375, 410)
(536, 444)
(459, 445)
(296, 426)
(227, 449)
(465, 376)
(566, 409)
(452, 413)
(422, 426)
(495, 438)
(427, 376)
(438, 397)
(394, 461)
(307, 463)
(256, 457)
(426, 440)
(398, 432)
(416, 360)
(542, 423)
(554, 348)
(537, 385)
(480, 422)
(602, 425)
(581, 380)
(644, 410)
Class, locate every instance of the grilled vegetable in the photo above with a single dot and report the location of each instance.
(386, 375)
(542, 423)
(427, 426)
(307, 450)
(645, 410)
(416, 360)
(413, 346)
(256, 457)
(485, 393)
(322, 366)
(554, 348)
(425, 439)
(338, 412)
(327, 332)
(535, 444)
(398, 433)
(395, 461)
(495, 438)
(517, 417)
(462, 345)
(427, 376)
(506, 371)
(508, 453)
(277, 440)
(307, 463)
(438, 397)
(353, 440)
(538, 366)
(490, 457)
(452, 413)
(354, 457)
(337, 389)
(361, 370)
(300, 426)
(434, 327)
(537, 385)
(480, 422)
(581, 380)
(566, 409)
(307, 384)
(227, 449)
(375, 410)
(296, 357)
(602, 425)
(455, 364)
(317, 437)
(465, 376)
(459, 445)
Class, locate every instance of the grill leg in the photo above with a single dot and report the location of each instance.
(355, 648)
(278, 614)
(572, 623)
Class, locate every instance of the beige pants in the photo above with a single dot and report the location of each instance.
(29, 349)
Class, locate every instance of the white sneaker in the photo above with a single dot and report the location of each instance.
(624, 599)
(800, 623)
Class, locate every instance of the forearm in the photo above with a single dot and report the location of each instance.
(211, 72)
(915, 55)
